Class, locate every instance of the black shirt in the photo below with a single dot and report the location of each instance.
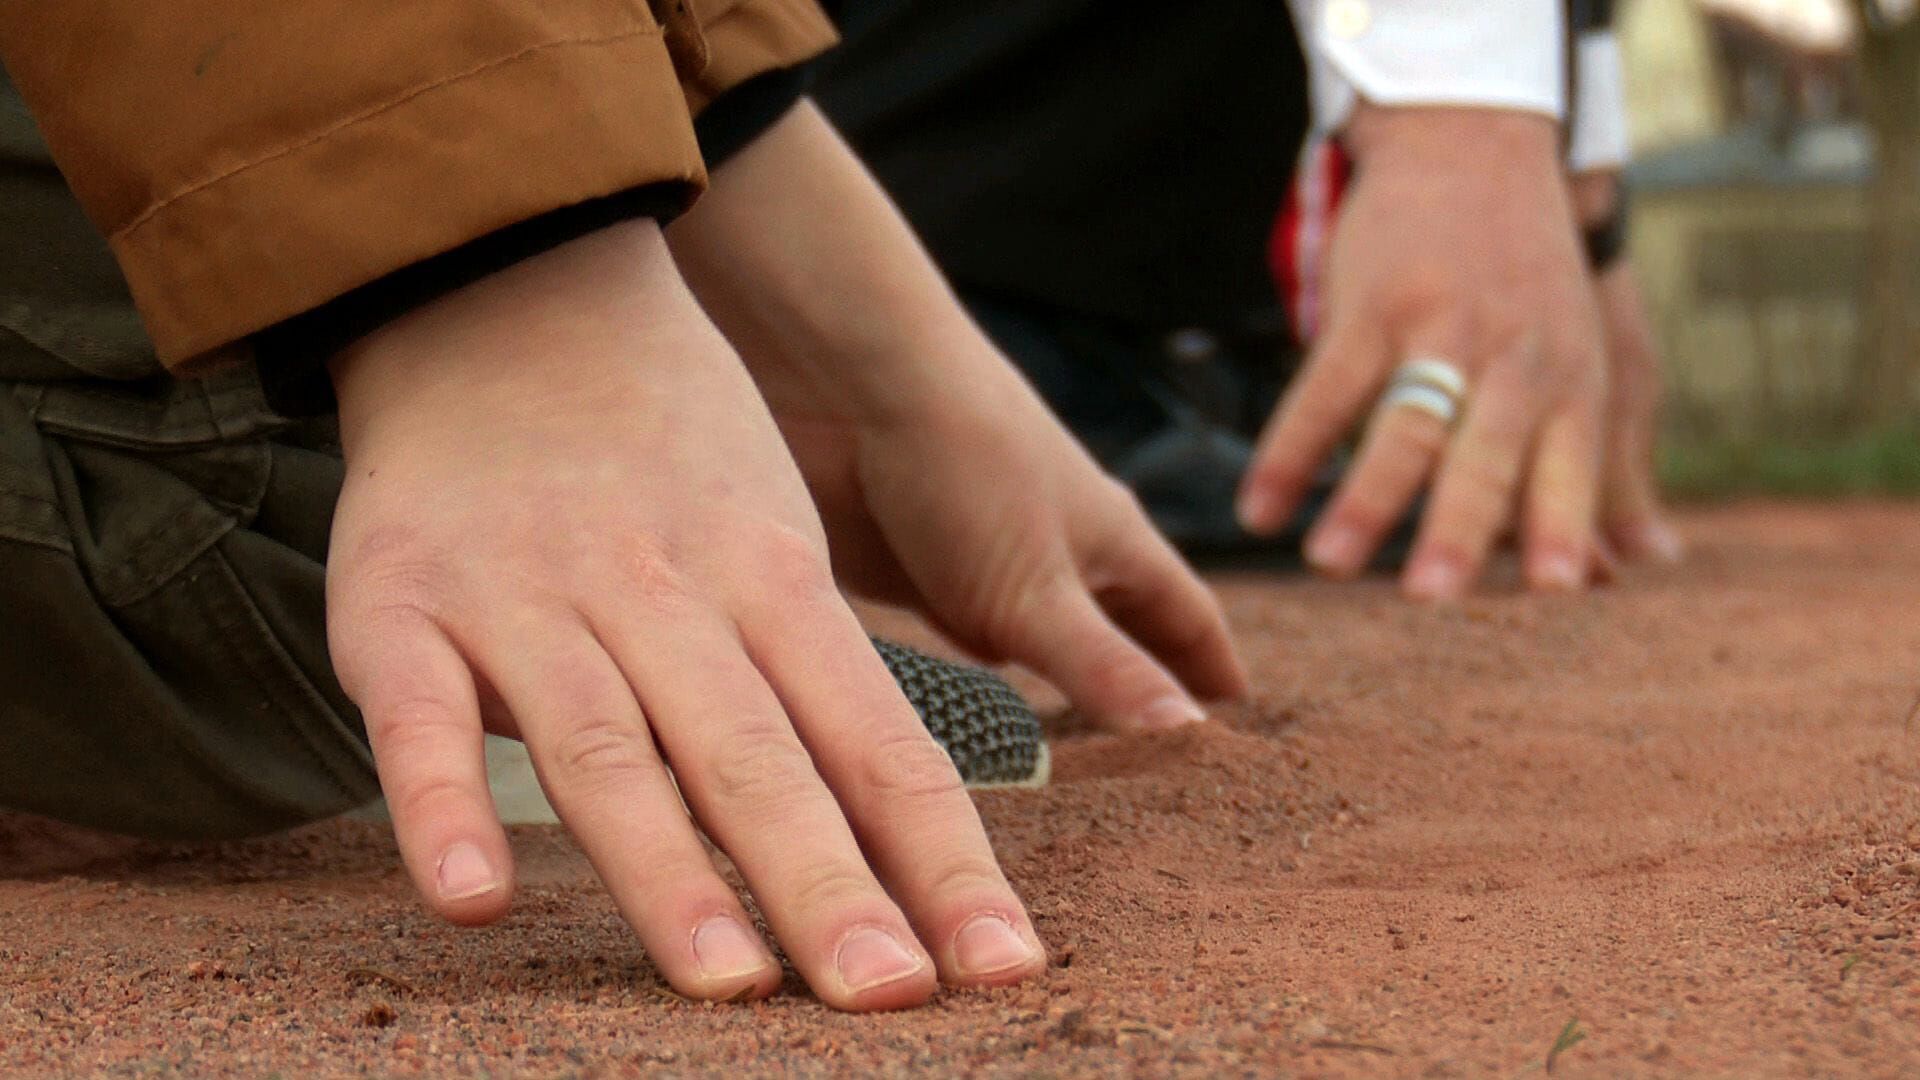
(1121, 160)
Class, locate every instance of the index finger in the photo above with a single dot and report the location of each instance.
(416, 695)
(1150, 591)
(1339, 379)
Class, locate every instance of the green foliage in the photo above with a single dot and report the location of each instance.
(1570, 1037)
(1882, 461)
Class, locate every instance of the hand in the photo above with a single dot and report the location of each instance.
(1457, 242)
(1632, 522)
(943, 481)
(563, 494)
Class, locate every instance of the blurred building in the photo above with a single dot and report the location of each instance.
(1752, 214)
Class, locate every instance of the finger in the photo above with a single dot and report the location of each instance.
(1634, 520)
(1400, 450)
(755, 790)
(1060, 631)
(596, 760)
(417, 699)
(1344, 373)
(1153, 595)
(1474, 491)
(899, 788)
(1637, 526)
(1562, 495)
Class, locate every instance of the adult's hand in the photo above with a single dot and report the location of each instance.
(943, 481)
(1632, 522)
(564, 496)
(1456, 242)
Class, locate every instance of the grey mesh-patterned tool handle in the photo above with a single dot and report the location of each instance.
(984, 724)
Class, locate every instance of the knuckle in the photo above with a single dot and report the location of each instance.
(969, 878)
(600, 753)
(425, 797)
(413, 725)
(761, 766)
(911, 766)
(794, 564)
(651, 575)
(828, 885)
(393, 565)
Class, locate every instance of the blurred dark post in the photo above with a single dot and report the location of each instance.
(1890, 83)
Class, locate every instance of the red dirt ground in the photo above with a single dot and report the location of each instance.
(1685, 812)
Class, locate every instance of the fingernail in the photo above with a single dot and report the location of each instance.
(1435, 579)
(1256, 510)
(725, 950)
(870, 958)
(1171, 711)
(1559, 571)
(465, 873)
(1335, 548)
(988, 945)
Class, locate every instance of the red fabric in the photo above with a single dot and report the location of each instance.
(1297, 247)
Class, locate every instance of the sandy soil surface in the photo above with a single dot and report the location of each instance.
(1684, 815)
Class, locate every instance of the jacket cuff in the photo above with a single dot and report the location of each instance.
(292, 354)
(557, 124)
(753, 37)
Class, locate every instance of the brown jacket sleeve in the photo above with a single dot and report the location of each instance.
(248, 161)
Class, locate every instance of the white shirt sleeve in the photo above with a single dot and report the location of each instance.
(1501, 53)
(1597, 136)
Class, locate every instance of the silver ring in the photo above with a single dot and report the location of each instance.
(1422, 398)
(1427, 384)
(1443, 375)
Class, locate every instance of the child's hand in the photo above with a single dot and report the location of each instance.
(564, 496)
(943, 480)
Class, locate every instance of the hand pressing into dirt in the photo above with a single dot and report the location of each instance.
(1456, 244)
(564, 495)
(943, 481)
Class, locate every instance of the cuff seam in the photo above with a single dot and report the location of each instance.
(367, 114)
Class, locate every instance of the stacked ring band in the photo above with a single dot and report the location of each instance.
(1429, 385)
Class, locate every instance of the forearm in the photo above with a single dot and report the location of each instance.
(802, 260)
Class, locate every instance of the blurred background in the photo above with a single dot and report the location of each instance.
(1777, 232)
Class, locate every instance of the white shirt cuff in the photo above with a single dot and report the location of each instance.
(1598, 135)
(1497, 53)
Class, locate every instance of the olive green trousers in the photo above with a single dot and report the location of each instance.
(163, 661)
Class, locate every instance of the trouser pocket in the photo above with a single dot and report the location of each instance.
(164, 671)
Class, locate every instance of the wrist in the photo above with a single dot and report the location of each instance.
(545, 320)
(1377, 134)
